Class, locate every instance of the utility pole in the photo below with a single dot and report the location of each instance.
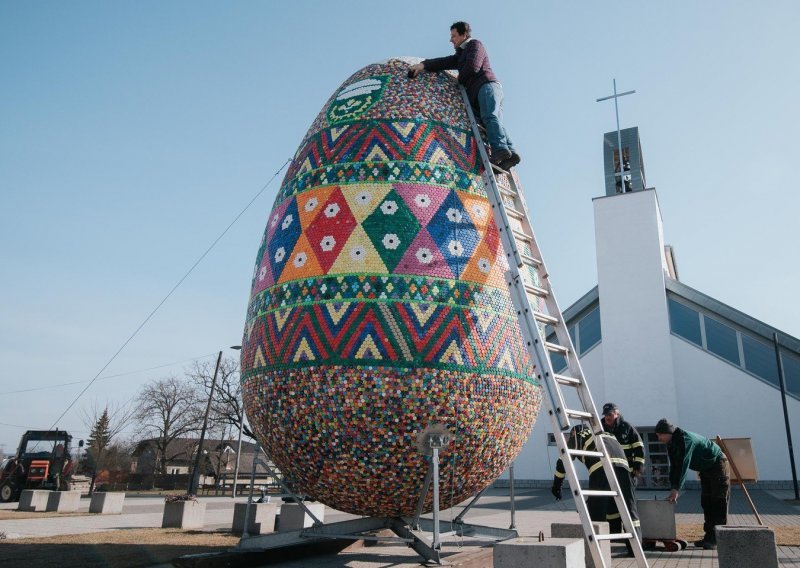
(195, 470)
(782, 379)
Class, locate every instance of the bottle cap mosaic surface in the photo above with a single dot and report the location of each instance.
(379, 306)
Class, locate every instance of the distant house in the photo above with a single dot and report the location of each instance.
(219, 456)
(217, 464)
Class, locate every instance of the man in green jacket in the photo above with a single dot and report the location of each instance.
(686, 451)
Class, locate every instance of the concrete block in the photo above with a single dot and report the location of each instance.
(107, 503)
(184, 515)
(575, 530)
(743, 547)
(527, 551)
(261, 518)
(63, 501)
(293, 517)
(657, 519)
(33, 500)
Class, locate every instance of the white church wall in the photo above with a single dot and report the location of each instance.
(537, 460)
(635, 322)
(716, 398)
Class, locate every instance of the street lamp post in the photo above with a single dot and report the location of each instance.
(239, 444)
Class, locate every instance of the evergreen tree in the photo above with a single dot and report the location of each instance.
(99, 439)
(100, 436)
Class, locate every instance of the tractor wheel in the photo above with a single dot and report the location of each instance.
(7, 493)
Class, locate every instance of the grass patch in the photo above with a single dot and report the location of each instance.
(131, 548)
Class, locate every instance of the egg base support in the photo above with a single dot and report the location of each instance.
(413, 532)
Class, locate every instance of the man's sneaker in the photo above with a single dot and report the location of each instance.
(709, 545)
(511, 162)
(499, 156)
(699, 543)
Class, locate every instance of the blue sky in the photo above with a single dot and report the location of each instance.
(133, 133)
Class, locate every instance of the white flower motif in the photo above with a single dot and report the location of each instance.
(454, 215)
(280, 254)
(422, 200)
(391, 241)
(332, 210)
(364, 197)
(262, 273)
(424, 255)
(358, 253)
(300, 259)
(327, 243)
(484, 265)
(287, 221)
(389, 207)
(311, 204)
(478, 210)
(275, 219)
(455, 248)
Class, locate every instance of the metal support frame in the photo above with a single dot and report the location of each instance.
(511, 496)
(411, 531)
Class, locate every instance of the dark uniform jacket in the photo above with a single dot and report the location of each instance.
(593, 464)
(630, 440)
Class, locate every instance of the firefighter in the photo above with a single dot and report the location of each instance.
(602, 508)
(627, 436)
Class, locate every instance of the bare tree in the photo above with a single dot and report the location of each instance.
(168, 409)
(227, 407)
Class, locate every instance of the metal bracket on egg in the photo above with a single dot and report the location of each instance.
(429, 442)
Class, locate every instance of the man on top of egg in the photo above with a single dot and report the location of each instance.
(484, 90)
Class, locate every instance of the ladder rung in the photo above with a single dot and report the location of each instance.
(578, 413)
(544, 318)
(536, 291)
(556, 349)
(519, 235)
(530, 261)
(598, 493)
(613, 536)
(565, 380)
(515, 214)
(587, 453)
(498, 170)
(506, 191)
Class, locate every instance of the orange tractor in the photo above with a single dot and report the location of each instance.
(43, 461)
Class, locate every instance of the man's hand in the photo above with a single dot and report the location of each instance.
(673, 496)
(556, 489)
(415, 70)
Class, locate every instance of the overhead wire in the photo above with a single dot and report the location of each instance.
(116, 376)
(169, 294)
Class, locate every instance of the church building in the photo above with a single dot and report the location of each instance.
(658, 348)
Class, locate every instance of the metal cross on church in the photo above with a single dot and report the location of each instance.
(615, 96)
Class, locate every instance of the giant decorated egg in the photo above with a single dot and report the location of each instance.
(379, 308)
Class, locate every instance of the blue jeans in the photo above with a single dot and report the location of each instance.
(490, 101)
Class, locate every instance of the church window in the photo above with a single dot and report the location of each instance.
(685, 322)
(759, 359)
(721, 340)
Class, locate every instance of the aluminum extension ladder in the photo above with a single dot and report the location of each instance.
(529, 284)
